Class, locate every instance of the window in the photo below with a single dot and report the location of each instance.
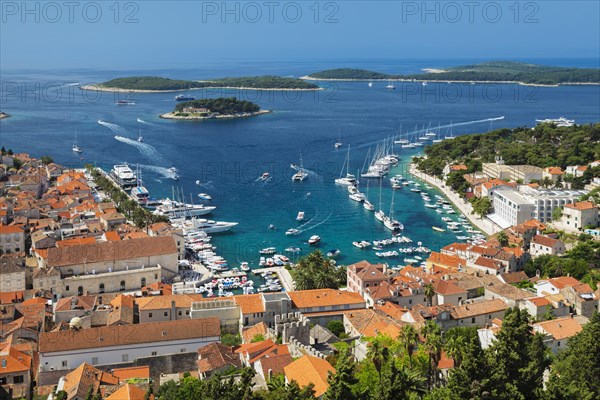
(180, 313)
(3, 380)
(166, 314)
(122, 285)
(94, 360)
(182, 350)
(80, 291)
(409, 301)
(473, 320)
(67, 288)
(101, 288)
(143, 282)
(154, 353)
(187, 312)
(149, 315)
(125, 357)
(65, 363)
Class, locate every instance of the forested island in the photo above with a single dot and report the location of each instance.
(219, 108)
(160, 84)
(495, 71)
(546, 145)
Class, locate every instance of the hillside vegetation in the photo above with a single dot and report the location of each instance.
(221, 105)
(159, 83)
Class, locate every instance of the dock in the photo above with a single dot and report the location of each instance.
(284, 276)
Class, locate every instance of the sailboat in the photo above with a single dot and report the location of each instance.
(379, 214)
(349, 179)
(390, 86)
(450, 136)
(389, 221)
(140, 137)
(300, 175)
(371, 84)
(339, 143)
(355, 194)
(367, 204)
(76, 147)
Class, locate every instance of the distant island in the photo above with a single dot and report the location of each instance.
(219, 108)
(151, 84)
(488, 72)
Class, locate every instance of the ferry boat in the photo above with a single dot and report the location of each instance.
(140, 194)
(124, 176)
(562, 121)
(314, 239)
(184, 97)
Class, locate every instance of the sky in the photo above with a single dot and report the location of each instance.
(162, 34)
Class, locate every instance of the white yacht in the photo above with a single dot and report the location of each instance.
(314, 239)
(292, 232)
(359, 197)
(368, 206)
(300, 175)
(175, 209)
(300, 216)
(339, 143)
(370, 84)
(390, 86)
(124, 175)
(204, 225)
(389, 221)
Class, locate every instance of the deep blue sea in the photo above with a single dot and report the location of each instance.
(227, 157)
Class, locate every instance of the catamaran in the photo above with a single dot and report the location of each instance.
(300, 175)
(349, 179)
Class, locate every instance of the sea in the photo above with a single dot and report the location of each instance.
(225, 158)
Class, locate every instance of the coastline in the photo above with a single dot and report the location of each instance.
(171, 115)
(465, 207)
(96, 88)
(310, 78)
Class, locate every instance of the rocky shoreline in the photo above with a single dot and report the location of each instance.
(171, 115)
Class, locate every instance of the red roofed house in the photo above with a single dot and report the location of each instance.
(581, 214)
(552, 173)
(15, 372)
(364, 275)
(541, 245)
(582, 298)
(308, 369)
(12, 239)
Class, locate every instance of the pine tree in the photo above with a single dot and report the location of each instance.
(340, 383)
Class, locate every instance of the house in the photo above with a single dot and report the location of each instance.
(553, 173)
(12, 239)
(248, 334)
(166, 307)
(544, 245)
(582, 299)
(67, 308)
(249, 353)
(272, 365)
(448, 292)
(15, 372)
(579, 215)
(12, 274)
(537, 307)
(558, 331)
(364, 275)
(370, 323)
(325, 302)
(445, 261)
(488, 266)
(478, 313)
(509, 294)
(488, 188)
(308, 369)
(83, 379)
(448, 169)
(62, 350)
(216, 357)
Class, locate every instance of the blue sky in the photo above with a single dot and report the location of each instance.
(168, 34)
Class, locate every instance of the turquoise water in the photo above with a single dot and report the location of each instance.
(228, 156)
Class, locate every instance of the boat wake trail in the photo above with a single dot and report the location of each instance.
(165, 172)
(141, 121)
(320, 223)
(113, 127)
(145, 149)
(207, 185)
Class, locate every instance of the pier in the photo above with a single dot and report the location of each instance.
(284, 276)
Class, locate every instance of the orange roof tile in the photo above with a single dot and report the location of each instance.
(561, 328)
(129, 392)
(250, 303)
(308, 369)
(15, 360)
(8, 229)
(142, 372)
(324, 298)
(581, 205)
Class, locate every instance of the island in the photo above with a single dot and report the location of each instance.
(488, 72)
(219, 108)
(152, 84)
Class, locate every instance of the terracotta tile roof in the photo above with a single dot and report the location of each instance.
(275, 363)
(308, 369)
(448, 260)
(115, 335)
(142, 372)
(561, 328)
(370, 323)
(78, 382)
(447, 288)
(584, 288)
(8, 229)
(458, 167)
(514, 277)
(324, 298)
(367, 271)
(494, 183)
(540, 301)
(165, 301)
(75, 303)
(249, 333)
(545, 241)
(563, 281)
(554, 171)
(489, 263)
(392, 310)
(216, 356)
(510, 292)
(108, 251)
(15, 360)
(11, 265)
(129, 392)
(581, 205)
(76, 241)
(250, 303)
(479, 308)
(112, 236)
(445, 361)
(255, 351)
(122, 310)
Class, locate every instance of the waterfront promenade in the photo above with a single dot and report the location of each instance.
(462, 204)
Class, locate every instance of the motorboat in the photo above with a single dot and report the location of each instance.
(204, 196)
(292, 231)
(438, 229)
(265, 176)
(300, 216)
(359, 197)
(333, 253)
(268, 250)
(244, 266)
(314, 239)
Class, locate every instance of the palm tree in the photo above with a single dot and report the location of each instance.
(409, 339)
(379, 356)
(454, 348)
(502, 238)
(433, 346)
(429, 292)
(276, 383)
